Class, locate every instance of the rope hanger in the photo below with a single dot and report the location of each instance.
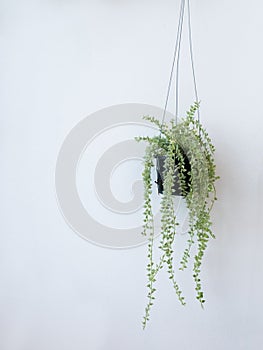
(176, 61)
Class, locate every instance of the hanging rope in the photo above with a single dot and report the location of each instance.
(176, 61)
(178, 38)
(192, 56)
(177, 68)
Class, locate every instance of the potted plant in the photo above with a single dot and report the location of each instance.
(184, 154)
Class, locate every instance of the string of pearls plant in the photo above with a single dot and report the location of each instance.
(187, 138)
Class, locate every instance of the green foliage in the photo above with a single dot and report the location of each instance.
(175, 141)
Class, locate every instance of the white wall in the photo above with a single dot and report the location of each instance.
(60, 61)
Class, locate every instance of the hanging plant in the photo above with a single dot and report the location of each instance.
(189, 167)
(184, 156)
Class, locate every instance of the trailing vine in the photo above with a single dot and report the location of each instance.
(187, 139)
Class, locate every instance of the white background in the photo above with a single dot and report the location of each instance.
(62, 60)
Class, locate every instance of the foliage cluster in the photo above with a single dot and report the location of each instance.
(177, 140)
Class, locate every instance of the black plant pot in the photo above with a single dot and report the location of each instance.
(160, 161)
